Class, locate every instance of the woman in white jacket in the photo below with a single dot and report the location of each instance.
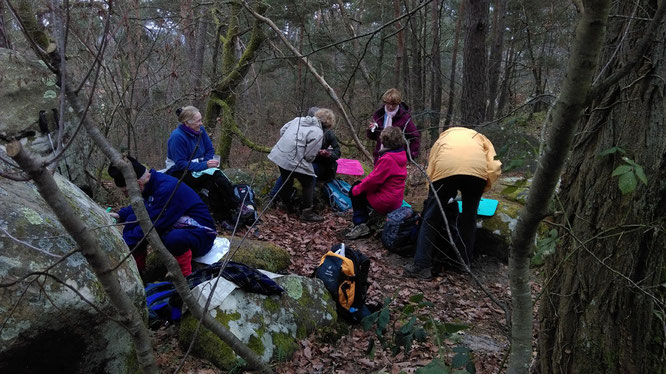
(300, 141)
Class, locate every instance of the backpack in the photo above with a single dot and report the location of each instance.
(401, 230)
(163, 304)
(337, 192)
(246, 204)
(344, 272)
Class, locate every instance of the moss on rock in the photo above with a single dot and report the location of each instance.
(208, 344)
(261, 255)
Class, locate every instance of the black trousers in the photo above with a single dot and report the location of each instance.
(307, 182)
(215, 190)
(432, 233)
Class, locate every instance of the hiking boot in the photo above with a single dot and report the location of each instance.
(358, 231)
(308, 214)
(413, 271)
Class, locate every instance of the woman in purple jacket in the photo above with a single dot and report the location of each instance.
(394, 113)
(383, 189)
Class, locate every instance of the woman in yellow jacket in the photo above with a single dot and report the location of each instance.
(462, 160)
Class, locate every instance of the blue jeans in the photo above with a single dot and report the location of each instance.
(432, 233)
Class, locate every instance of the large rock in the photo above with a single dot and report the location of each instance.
(494, 233)
(26, 88)
(56, 316)
(269, 325)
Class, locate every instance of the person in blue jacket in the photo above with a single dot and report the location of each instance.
(190, 157)
(181, 218)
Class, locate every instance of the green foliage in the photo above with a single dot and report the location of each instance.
(628, 173)
(401, 334)
(545, 247)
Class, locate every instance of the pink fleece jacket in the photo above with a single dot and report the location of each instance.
(384, 187)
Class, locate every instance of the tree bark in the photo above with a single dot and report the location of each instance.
(4, 37)
(495, 59)
(475, 60)
(199, 57)
(454, 60)
(400, 47)
(436, 75)
(603, 309)
(567, 110)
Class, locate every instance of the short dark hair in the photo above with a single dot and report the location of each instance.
(391, 138)
(117, 175)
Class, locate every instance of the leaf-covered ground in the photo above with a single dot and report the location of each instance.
(455, 298)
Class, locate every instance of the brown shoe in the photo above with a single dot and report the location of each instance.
(309, 215)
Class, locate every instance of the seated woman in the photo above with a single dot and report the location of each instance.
(299, 144)
(460, 160)
(383, 189)
(394, 113)
(190, 156)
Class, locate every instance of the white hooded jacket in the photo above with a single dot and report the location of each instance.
(300, 141)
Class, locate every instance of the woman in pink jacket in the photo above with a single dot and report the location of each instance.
(383, 189)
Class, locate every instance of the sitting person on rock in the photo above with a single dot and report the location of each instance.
(190, 157)
(383, 189)
(462, 160)
(181, 218)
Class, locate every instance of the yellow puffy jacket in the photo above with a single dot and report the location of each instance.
(463, 151)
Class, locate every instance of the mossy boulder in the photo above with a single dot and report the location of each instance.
(270, 325)
(63, 322)
(260, 255)
(494, 233)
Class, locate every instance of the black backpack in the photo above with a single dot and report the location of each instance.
(401, 230)
(344, 272)
(247, 207)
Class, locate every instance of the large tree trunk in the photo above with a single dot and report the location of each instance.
(567, 110)
(401, 45)
(473, 105)
(603, 311)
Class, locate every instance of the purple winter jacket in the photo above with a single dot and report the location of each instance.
(401, 119)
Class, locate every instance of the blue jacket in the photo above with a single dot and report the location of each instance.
(185, 202)
(180, 150)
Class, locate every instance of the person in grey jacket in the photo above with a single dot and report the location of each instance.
(299, 144)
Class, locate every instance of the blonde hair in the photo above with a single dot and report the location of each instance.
(392, 137)
(187, 113)
(392, 95)
(325, 117)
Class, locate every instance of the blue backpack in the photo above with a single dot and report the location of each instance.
(401, 230)
(163, 304)
(337, 192)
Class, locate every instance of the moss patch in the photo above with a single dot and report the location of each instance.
(208, 345)
(285, 346)
(261, 255)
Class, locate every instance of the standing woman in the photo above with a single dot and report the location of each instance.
(397, 114)
(460, 160)
(299, 144)
(190, 152)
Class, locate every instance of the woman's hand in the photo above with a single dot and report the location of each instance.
(212, 163)
(324, 153)
(372, 125)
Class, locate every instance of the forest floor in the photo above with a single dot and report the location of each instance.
(455, 297)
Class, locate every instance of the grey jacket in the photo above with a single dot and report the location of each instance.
(300, 140)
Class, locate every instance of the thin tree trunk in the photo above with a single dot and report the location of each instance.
(473, 104)
(416, 75)
(436, 75)
(567, 110)
(508, 78)
(454, 60)
(4, 37)
(200, 52)
(495, 59)
(400, 50)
